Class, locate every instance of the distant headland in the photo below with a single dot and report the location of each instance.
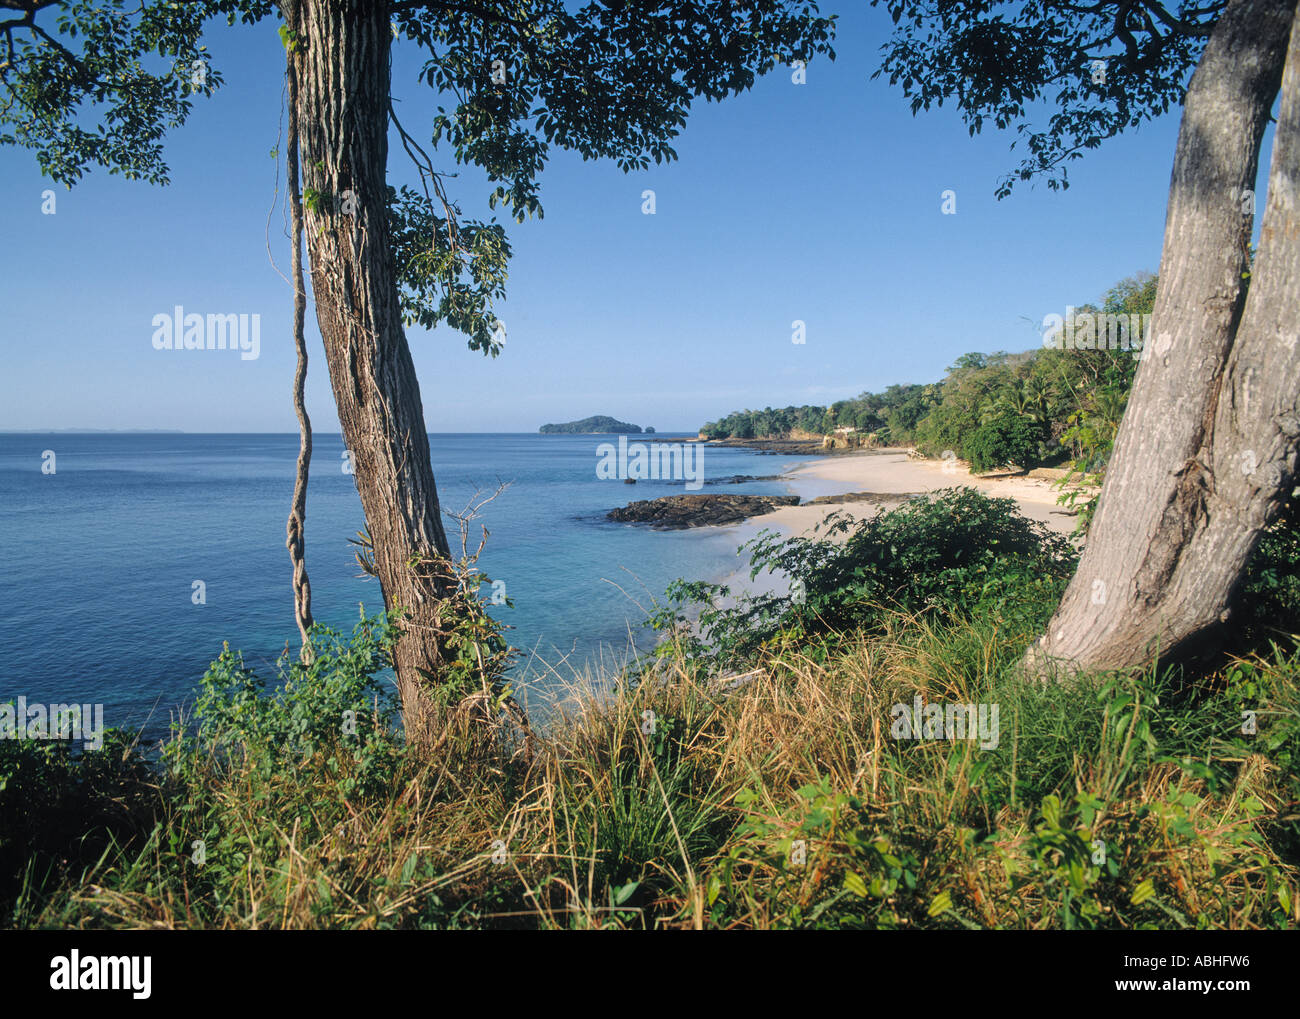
(601, 424)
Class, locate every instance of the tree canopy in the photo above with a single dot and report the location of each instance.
(99, 83)
(1106, 66)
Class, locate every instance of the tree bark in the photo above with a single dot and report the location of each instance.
(343, 74)
(1207, 448)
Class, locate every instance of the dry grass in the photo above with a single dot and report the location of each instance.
(692, 816)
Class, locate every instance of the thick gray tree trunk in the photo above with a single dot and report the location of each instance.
(343, 90)
(1207, 448)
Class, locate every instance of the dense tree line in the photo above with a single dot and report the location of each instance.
(891, 415)
(1055, 404)
(600, 424)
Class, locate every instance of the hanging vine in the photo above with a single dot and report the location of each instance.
(295, 529)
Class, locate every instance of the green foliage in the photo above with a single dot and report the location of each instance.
(290, 39)
(953, 553)
(509, 91)
(475, 652)
(1037, 407)
(998, 61)
(62, 810)
(477, 655)
(600, 424)
(768, 423)
(1267, 607)
(1116, 802)
(612, 81)
(649, 807)
(1009, 439)
(301, 751)
(1099, 381)
(944, 429)
(335, 702)
(101, 83)
(315, 201)
(1114, 805)
(449, 270)
(892, 415)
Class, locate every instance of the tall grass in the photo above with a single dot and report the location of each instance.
(776, 798)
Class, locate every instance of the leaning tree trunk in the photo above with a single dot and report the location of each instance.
(1207, 448)
(342, 56)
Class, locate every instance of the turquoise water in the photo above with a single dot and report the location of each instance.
(96, 603)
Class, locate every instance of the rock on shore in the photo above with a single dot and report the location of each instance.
(804, 447)
(879, 498)
(673, 512)
(742, 479)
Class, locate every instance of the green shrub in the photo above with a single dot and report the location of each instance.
(62, 809)
(943, 427)
(955, 552)
(1009, 439)
(336, 701)
(1268, 604)
(1120, 802)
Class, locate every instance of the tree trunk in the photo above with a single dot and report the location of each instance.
(1207, 448)
(343, 74)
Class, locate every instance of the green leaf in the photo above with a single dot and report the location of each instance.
(621, 895)
(1142, 892)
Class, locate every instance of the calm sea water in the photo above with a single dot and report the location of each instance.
(96, 603)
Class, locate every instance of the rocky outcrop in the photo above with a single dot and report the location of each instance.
(848, 441)
(798, 446)
(879, 498)
(740, 479)
(675, 512)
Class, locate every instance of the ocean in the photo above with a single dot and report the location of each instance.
(98, 602)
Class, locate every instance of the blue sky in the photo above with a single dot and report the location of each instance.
(819, 202)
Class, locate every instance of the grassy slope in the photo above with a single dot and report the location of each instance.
(697, 823)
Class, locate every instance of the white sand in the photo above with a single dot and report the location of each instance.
(890, 472)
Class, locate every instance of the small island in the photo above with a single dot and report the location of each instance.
(601, 424)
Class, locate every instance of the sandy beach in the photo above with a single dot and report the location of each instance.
(893, 471)
(887, 471)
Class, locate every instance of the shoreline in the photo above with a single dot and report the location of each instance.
(892, 472)
(886, 472)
